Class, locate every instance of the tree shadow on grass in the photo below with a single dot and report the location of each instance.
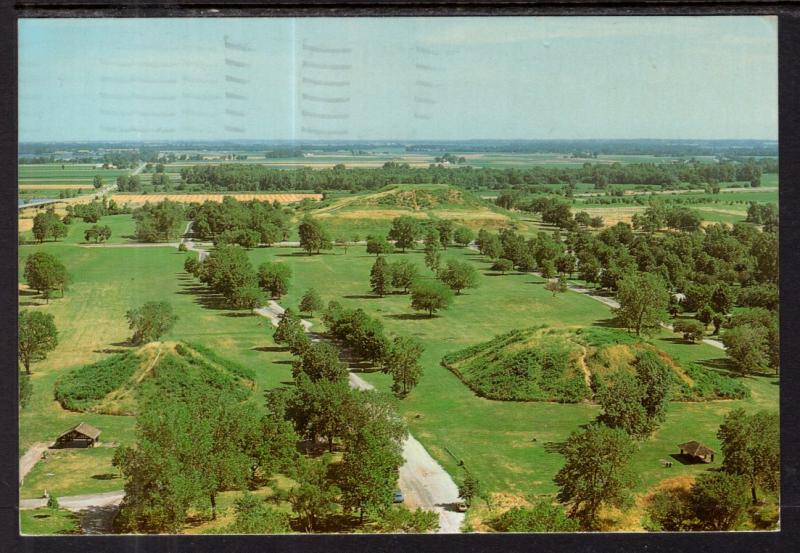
(110, 350)
(411, 316)
(687, 459)
(721, 364)
(554, 447)
(28, 293)
(30, 303)
(284, 362)
(105, 476)
(293, 254)
(271, 349)
(238, 314)
(362, 297)
(607, 323)
(123, 344)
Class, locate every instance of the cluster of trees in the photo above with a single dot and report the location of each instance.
(258, 177)
(244, 223)
(314, 237)
(45, 273)
(227, 271)
(98, 233)
(132, 183)
(47, 224)
(364, 336)
(763, 214)
(92, 212)
(661, 215)
(545, 252)
(160, 221)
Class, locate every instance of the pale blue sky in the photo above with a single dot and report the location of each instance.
(398, 78)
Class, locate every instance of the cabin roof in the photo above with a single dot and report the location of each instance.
(86, 429)
(696, 449)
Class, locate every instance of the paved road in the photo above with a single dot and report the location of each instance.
(423, 481)
(95, 511)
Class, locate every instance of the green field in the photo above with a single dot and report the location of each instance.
(46, 521)
(508, 445)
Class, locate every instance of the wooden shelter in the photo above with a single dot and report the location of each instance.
(697, 451)
(80, 435)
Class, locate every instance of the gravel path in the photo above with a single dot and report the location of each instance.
(30, 458)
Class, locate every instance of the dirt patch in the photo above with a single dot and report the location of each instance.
(612, 215)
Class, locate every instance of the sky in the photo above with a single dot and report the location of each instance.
(398, 78)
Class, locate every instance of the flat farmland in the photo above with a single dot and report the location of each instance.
(138, 199)
(58, 175)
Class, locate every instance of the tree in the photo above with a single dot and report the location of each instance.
(37, 336)
(379, 245)
(655, 378)
(97, 182)
(746, 345)
(719, 501)
(314, 497)
(150, 321)
(596, 472)
(458, 275)
(430, 296)
(161, 221)
(313, 236)
(470, 488)
(274, 278)
(25, 389)
(290, 331)
(310, 302)
(643, 299)
(491, 247)
(248, 296)
(463, 236)
(445, 230)
(621, 399)
(48, 225)
(320, 361)
(751, 446)
(405, 231)
(692, 330)
(44, 273)
(404, 273)
(503, 265)
(369, 469)
(402, 362)
(556, 285)
(321, 408)
(380, 277)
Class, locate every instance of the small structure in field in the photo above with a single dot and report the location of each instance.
(80, 435)
(697, 451)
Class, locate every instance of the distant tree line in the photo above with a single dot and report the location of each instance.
(240, 177)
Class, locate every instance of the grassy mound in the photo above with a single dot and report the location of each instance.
(373, 212)
(111, 386)
(571, 365)
(523, 365)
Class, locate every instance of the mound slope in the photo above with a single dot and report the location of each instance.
(570, 365)
(111, 386)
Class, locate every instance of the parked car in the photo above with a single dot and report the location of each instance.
(397, 497)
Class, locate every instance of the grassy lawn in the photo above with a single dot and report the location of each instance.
(36, 522)
(73, 472)
(508, 445)
(494, 438)
(123, 228)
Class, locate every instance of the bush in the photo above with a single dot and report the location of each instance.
(402, 520)
(182, 247)
(82, 388)
(542, 517)
(692, 330)
(52, 502)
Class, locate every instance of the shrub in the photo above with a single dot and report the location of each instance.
(81, 388)
(542, 517)
(692, 330)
